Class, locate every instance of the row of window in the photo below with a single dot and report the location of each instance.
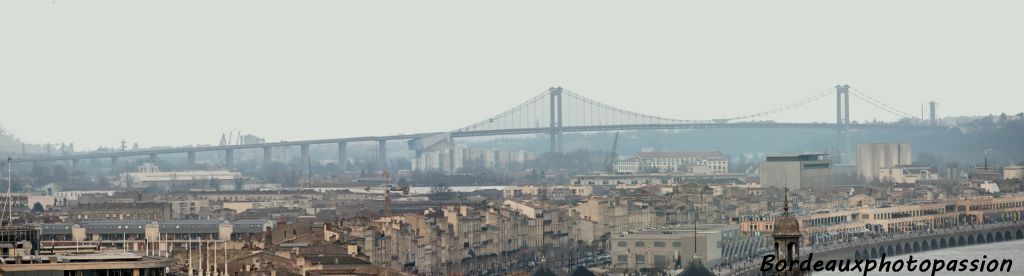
(641, 259)
(992, 206)
(644, 244)
(755, 227)
(912, 213)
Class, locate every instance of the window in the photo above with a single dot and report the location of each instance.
(659, 244)
(677, 244)
(622, 244)
(660, 260)
(641, 259)
(623, 259)
(639, 244)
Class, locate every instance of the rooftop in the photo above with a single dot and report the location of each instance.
(685, 229)
(796, 157)
(687, 154)
(189, 226)
(85, 262)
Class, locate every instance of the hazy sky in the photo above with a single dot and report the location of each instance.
(183, 72)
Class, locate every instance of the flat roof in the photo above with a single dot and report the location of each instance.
(88, 262)
(680, 154)
(798, 155)
(684, 229)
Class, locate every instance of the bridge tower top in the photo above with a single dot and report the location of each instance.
(843, 122)
(843, 105)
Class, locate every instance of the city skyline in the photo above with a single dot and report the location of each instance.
(582, 138)
(411, 74)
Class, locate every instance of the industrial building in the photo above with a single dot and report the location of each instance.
(872, 157)
(907, 174)
(799, 171)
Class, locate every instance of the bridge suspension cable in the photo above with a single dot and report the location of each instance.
(793, 105)
(569, 109)
(558, 108)
(881, 105)
(625, 116)
(526, 112)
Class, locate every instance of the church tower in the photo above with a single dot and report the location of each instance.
(787, 240)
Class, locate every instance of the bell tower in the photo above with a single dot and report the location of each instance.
(787, 240)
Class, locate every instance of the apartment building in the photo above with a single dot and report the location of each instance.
(667, 246)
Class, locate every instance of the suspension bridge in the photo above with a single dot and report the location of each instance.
(554, 112)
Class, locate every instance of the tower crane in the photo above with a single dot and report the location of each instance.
(387, 188)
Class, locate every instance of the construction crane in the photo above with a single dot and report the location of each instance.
(387, 188)
(8, 203)
(387, 194)
(611, 157)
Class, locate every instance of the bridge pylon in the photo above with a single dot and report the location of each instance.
(556, 119)
(382, 155)
(342, 156)
(843, 123)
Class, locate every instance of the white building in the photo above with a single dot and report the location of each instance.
(149, 175)
(1013, 172)
(697, 163)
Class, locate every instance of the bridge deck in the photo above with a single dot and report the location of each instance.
(463, 134)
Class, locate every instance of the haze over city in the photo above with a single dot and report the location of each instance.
(469, 138)
(125, 70)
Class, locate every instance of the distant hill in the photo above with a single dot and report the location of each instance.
(11, 146)
(967, 144)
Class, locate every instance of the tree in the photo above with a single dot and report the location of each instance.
(658, 269)
(38, 208)
(41, 175)
(60, 174)
(292, 179)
